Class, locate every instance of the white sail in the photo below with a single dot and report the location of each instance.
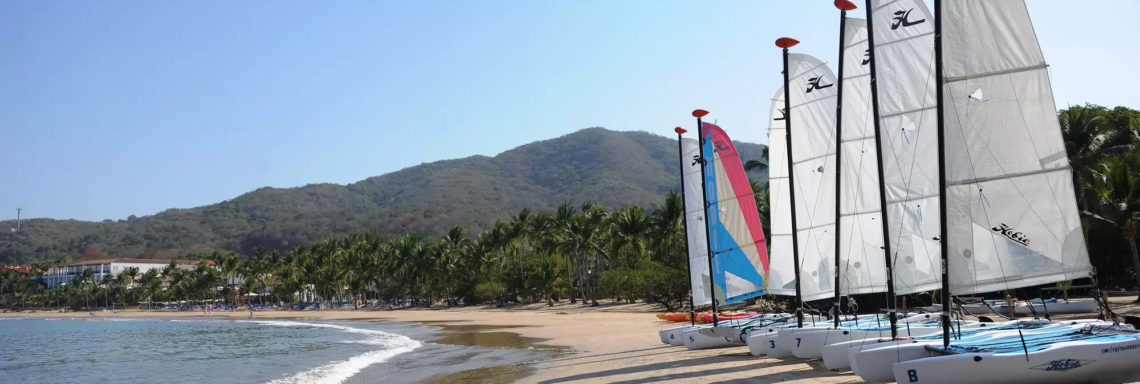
(1011, 208)
(695, 224)
(862, 267)
(905, 82)
(781, 270)
(813, 117)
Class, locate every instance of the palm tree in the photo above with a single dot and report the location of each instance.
(763, 207)
(227, 263)
(413, 264)
(454, 264)
(84, 279)
(630, 227)
(585, 237)
(125, 283)
(665, 230)
(758, 165)
(151, 282)
(1089, 137)
(1116, 187)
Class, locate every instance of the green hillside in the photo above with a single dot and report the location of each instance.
(595, 164)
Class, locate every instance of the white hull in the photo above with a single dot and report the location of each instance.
(837, 356)
(1066, 362)
(668, 335)
(875, 362)
(783, 340)
(773, 342)
(809, 345)
(757, 339)
(698, 339)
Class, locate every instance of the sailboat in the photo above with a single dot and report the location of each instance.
(811, 190)
(737, 255)
(1007, 209)
(696, 246)
(877, 175)
(792, 165)
(893, 95)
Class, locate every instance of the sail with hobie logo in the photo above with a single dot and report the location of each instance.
(1011, 207)
(736, 240)
(695, 219)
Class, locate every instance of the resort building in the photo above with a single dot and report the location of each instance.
(23, 270)
(101, 268)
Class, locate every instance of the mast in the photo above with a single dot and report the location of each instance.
(685, 223)
(785, 43)
(843, 6)
(699, 113)
(944, 231)
(882, 184)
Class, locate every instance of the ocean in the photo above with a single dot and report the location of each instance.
(114, 350)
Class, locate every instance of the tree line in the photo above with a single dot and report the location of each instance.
(578, 253)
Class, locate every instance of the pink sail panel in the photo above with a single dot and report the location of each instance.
(736, 239)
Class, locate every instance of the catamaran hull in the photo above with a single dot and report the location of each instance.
(1068, 362)
(782, 341)
(697, 339)
(839, 356)
(767, 344)
(876, 364)
(669, 334)
(757, 340)
(809, 345)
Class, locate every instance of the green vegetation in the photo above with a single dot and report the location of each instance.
(1104, 149)
(580, 253)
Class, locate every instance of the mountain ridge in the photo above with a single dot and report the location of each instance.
(613, 168)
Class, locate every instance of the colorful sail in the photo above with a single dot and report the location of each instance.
(862, 267)
(813, 169)
(736, 240)
(781, 270)
(695, 223)
(904, 69)
(1011, 209)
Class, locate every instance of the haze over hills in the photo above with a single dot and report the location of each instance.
(591, 165)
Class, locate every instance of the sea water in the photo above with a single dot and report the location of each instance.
(100, 350)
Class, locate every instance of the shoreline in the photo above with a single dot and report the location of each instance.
(450, 332)
(610, 343)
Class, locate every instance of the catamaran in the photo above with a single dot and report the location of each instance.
(696, 243)
(736, 252)
(861, 254)
(801, 185)
(1007, 209)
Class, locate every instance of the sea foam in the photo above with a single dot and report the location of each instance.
(339, 371)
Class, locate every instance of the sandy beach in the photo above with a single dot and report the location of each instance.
(615, 343)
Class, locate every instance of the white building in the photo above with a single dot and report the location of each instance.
(102, 267)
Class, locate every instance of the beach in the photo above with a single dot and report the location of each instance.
(616, 343)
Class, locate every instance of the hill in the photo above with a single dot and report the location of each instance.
(595, 164)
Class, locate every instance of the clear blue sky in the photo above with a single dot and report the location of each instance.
(114, 108)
